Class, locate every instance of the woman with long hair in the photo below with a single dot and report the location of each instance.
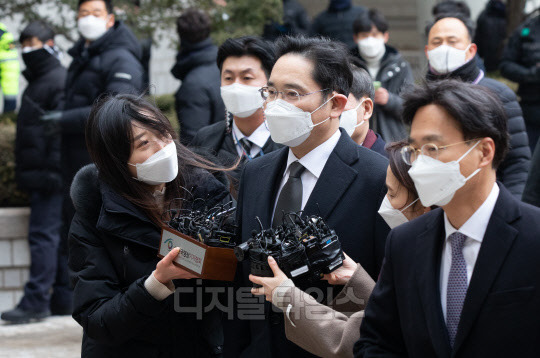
(122, 292)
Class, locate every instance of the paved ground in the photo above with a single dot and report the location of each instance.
(55, 337)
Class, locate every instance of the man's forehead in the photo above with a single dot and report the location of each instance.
(448, 27)
(292, 68)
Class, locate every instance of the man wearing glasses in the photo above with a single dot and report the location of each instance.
(461, 280)
(321, 171)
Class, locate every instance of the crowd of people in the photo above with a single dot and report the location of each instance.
(428, 186)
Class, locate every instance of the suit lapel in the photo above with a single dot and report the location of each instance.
(428, 262)
(496, 244)
(335, 179)
(267, 181)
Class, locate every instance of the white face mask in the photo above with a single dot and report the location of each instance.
(161, 167)
(445, 59)
(91, 27)
(371, 47)
(28, 49)
(241, 100)
(349, 119)
(392, 216)
(437, 182)
(288, 124)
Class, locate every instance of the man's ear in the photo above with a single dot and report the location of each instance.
(338, 105)
(110, 21)
(50, 43)
(472, 51)
(386, 37)
(487, 147)
(368, 109)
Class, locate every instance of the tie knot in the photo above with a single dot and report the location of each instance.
(457, 240)
(296, 169)
(246, 144)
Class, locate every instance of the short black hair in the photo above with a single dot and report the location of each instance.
(469, 24)
(452, 7)
(248, 46)
(38, 29)
(362, 84)
(367, 19)
(193, 26)
(331, 67)
(476, 109)
(108, 4)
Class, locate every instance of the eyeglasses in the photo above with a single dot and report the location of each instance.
(290, 95)
(410, 154)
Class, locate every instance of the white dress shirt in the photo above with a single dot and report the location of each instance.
(314, 163)
(474, 229)
(259, 138)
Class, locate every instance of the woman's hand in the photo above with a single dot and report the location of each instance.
(166, 270)
(268, 283)
(342, 275)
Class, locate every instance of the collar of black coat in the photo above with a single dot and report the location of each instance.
(467, 73)
(118, 36)
(44, 64)
(192, 55)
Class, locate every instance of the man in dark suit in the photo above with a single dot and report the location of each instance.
(322, 171)
(245, 64)
(461, 280)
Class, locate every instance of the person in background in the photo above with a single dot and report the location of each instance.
(386, 66)
(197, 101)
(106, 60)
(358, 111)
(331, 331)
(245, 64)
(9, 70)
(37, 168)
(336, 22)
(491, 33)
(461, 279)
(320, 171)
(531, 194)
(295, 22)
(450, 53)
(123, 294)
(521, 63)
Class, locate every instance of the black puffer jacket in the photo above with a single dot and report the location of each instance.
(395, 74)
(112, 250)
(514, 169)
(531, 194)
(490, 33)
(37, 157)
(521, 59)
(198, 100)
(111, 64)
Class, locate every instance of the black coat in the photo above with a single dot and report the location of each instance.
(37, 157)
(490, 33)
(111, 64)
(295, 22)
(395, 75)
(198, 100)
(520, 60)
(404, 315)
(347, 196)
(514, 168)
(220, 143)
(337, 25)
(112, 250)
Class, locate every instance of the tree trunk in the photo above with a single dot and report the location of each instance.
(514, 15)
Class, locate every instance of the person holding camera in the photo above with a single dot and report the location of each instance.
(122, 291)
(331, 331)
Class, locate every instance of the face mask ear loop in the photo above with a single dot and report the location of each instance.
(408, 206)
(323, 104)
(467, 152)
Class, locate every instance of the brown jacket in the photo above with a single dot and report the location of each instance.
(327, 331)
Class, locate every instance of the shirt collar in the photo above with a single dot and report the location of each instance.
(259, 137)
(476, 226)
(315, 160)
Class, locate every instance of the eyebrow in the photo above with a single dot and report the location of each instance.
(288, 85)
(428, 138)
(138, 136)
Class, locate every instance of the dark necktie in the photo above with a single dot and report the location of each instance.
(457, 285)
(246, 146)
(290, 198)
